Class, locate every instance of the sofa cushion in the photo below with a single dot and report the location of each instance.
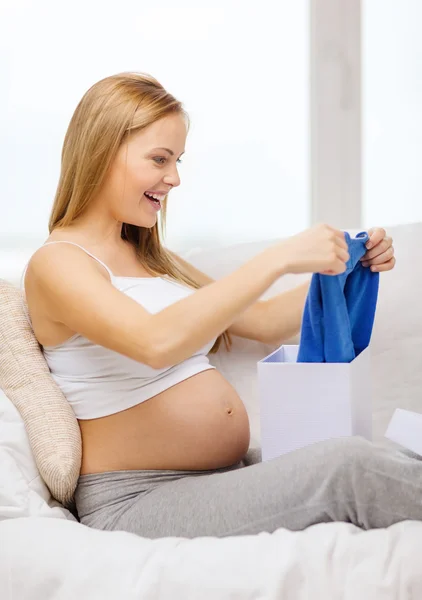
(396, 347)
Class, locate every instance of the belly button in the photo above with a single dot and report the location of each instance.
(229, 411)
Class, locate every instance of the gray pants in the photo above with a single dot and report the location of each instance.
(342, 479)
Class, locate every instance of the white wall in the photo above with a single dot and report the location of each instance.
(392, 111)
(241, 70)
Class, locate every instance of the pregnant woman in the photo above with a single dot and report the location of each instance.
(126, 326)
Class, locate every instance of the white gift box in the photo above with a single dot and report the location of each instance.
(304, 403)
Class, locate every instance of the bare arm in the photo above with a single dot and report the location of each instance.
(65, 287)
(250, 324)
(187, 325)
(76, 292)
(282, 314)
(271, 321)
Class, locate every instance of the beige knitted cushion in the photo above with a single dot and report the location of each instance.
(51, 425)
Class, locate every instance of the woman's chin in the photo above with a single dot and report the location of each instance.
(143, 220)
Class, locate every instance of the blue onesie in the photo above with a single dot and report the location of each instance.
(339, 311)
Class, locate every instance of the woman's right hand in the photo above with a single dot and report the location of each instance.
(320, 249)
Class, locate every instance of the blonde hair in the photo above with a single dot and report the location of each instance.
(107, 113)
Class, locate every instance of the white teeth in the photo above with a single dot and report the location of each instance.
(156, 196)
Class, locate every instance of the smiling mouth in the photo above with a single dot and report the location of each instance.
(154, 202)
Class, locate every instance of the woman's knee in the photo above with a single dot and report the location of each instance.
(348, 452)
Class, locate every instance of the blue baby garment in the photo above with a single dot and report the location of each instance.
(340, 309)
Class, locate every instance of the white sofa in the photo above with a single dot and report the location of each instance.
(45, 553)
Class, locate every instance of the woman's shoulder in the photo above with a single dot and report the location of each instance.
(55, 266)
(49, 246)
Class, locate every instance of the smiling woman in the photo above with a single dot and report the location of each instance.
(126, 328)
(109, 210)
(138, 170)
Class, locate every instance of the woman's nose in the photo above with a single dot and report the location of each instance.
(172, 177)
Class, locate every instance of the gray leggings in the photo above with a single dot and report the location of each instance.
(342, 479)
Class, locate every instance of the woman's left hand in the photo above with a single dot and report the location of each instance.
(380, 254)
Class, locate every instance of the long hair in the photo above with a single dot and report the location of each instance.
(105, 116)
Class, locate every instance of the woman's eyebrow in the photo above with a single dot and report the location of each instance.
(167, 150)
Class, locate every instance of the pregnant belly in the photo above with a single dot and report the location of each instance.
(199, 423)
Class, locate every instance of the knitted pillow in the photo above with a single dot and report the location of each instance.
(50, 422)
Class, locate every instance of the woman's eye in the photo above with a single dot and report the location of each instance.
(163, 158)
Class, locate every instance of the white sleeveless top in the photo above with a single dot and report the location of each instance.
(97, 381)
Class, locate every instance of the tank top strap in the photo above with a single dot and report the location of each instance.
(85, 250)
(22, 281)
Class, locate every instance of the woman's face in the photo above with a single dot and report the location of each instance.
(147, 162)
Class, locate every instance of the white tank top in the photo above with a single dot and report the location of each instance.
(97, 381)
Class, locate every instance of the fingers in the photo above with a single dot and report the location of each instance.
(337, 234)
(340, 240)
(382, 246)
(337, 263)
(385, 266)
(376, 235)
(380, 258)
(343, 255)
(338, 267)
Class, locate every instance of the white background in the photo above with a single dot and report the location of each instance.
(241, 68)
(392, 111)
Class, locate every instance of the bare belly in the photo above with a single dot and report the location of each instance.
(198, 424)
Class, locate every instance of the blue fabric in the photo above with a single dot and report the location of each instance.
(339, 311)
